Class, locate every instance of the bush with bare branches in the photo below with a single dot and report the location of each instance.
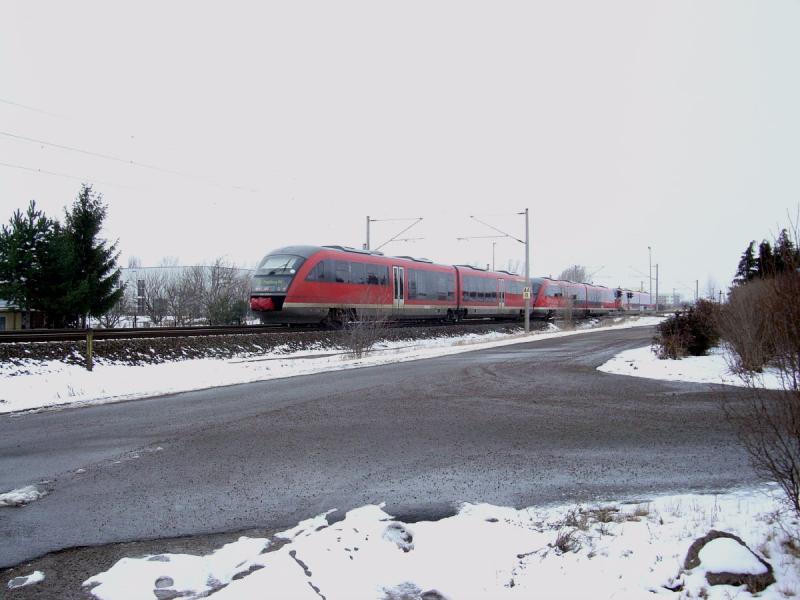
(365, 325)
(690, 333)
(762, 329)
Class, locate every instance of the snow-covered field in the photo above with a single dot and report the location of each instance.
(620, 551)
(642, 362)
(38, 384)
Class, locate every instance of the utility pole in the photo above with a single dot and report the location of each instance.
(650, 271)
(493, 245)
(720, 297)
(527, 276)
(527, 243)
(368, 245)
(656, 287)
(696, 290)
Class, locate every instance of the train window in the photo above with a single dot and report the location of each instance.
(279, 264)
(342, 271)
(441, 287)
(358, 272)
(412, 284)
(377, 275)
(422, 285)
(319, 272)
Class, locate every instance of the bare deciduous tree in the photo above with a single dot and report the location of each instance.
(225, 293)
(119, 311)
(711, 288)
(574, 273)
(155, 303)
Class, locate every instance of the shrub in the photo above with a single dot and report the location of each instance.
(769, 334)
(692, 332)
(744, 325)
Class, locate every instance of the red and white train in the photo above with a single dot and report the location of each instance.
(336, 284)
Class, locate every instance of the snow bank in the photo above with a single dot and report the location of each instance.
(620, 551)
(34, 385)
(642, 362)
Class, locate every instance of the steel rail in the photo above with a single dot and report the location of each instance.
(65, 335)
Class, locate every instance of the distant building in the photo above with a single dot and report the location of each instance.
(12, 317)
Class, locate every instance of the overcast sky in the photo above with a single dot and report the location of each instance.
(620, 125)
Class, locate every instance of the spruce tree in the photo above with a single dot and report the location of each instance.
(92, 262)
(747, 266)
(786, 256)
(766, 260)
(25, 255)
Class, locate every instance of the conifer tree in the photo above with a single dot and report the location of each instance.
(747, 266)
(25, 258)
(92, 262)
(786, 256)
(766, 260)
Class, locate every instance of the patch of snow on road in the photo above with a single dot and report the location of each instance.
(643, 362)
(21, 496)
(37, 384)
(19, 582)
(621, 551)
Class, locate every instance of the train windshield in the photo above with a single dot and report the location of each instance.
(275, 273)
(279, 264)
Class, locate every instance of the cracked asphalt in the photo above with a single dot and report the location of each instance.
(518, 425)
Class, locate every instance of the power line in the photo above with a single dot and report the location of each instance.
(32, 108)
(54, 174)
(123, 161)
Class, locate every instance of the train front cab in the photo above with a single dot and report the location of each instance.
(276, 275)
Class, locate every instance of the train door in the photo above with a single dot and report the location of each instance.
(501, 293)
(397, 287)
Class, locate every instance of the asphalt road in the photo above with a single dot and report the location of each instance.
(517, 425)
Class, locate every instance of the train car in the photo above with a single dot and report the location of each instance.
(337, 284)
(554, 297)
(489, 294)
(641, 302)
(601, 300)
(633, 302)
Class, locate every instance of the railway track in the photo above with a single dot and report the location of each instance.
(125, 333)
(66, 335)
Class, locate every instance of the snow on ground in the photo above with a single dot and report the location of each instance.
(642, 362)
(21, 496)
(621, 551)
(38, 384)
(18, 582)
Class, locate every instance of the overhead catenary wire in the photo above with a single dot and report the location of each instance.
(125, 161)
(55, 174)
(32, 108)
